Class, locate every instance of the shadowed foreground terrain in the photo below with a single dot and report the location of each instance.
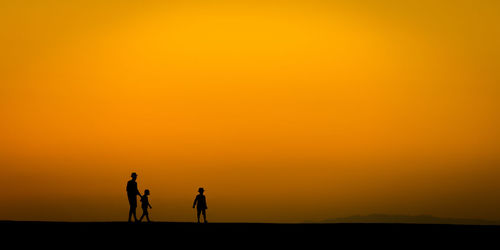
(235, 235)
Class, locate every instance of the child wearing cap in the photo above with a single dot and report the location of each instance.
(201, 204)
(145, 205)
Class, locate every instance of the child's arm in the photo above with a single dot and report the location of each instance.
(195, 200)
(149, 204)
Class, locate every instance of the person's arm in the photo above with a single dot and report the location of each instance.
(195, 200)
(137, 189)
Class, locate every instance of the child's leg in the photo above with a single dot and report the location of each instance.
(204, 215)
(198, 214)
(147, 217)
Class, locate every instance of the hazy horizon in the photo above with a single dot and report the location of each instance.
(284, 111)
(368, 218)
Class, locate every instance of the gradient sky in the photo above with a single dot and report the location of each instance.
(283, 111)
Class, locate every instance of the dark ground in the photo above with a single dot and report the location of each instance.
(165, 235)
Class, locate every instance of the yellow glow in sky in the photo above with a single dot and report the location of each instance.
(283, 111)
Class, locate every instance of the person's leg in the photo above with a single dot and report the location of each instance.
(204, 215)
(144, 214)
(198, 214)
(135, 210)
(133, 206)
(135, 213)
(130, 214)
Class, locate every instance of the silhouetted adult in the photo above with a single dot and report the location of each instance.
(201, 205)
(132, 193)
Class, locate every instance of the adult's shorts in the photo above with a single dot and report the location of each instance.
(132, 200)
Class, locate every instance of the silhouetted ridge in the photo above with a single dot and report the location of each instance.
(418, 219)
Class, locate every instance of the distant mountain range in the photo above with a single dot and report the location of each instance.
(419, 219)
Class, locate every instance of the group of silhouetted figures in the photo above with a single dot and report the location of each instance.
(200, 202)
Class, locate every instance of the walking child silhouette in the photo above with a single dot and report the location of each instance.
(145, 205)
(201, 204)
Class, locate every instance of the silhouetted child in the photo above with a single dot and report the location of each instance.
(202, 205)
(145, 205)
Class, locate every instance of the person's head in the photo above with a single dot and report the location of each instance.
(201, 190)
(146, 192)
(134, 176)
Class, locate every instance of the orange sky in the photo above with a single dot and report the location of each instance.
(284, 111)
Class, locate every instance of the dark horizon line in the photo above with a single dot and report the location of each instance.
(253, 223)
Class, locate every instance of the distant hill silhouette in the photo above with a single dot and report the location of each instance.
(418, 219)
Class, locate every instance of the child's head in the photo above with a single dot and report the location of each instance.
(201, 190)
(146, 192)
